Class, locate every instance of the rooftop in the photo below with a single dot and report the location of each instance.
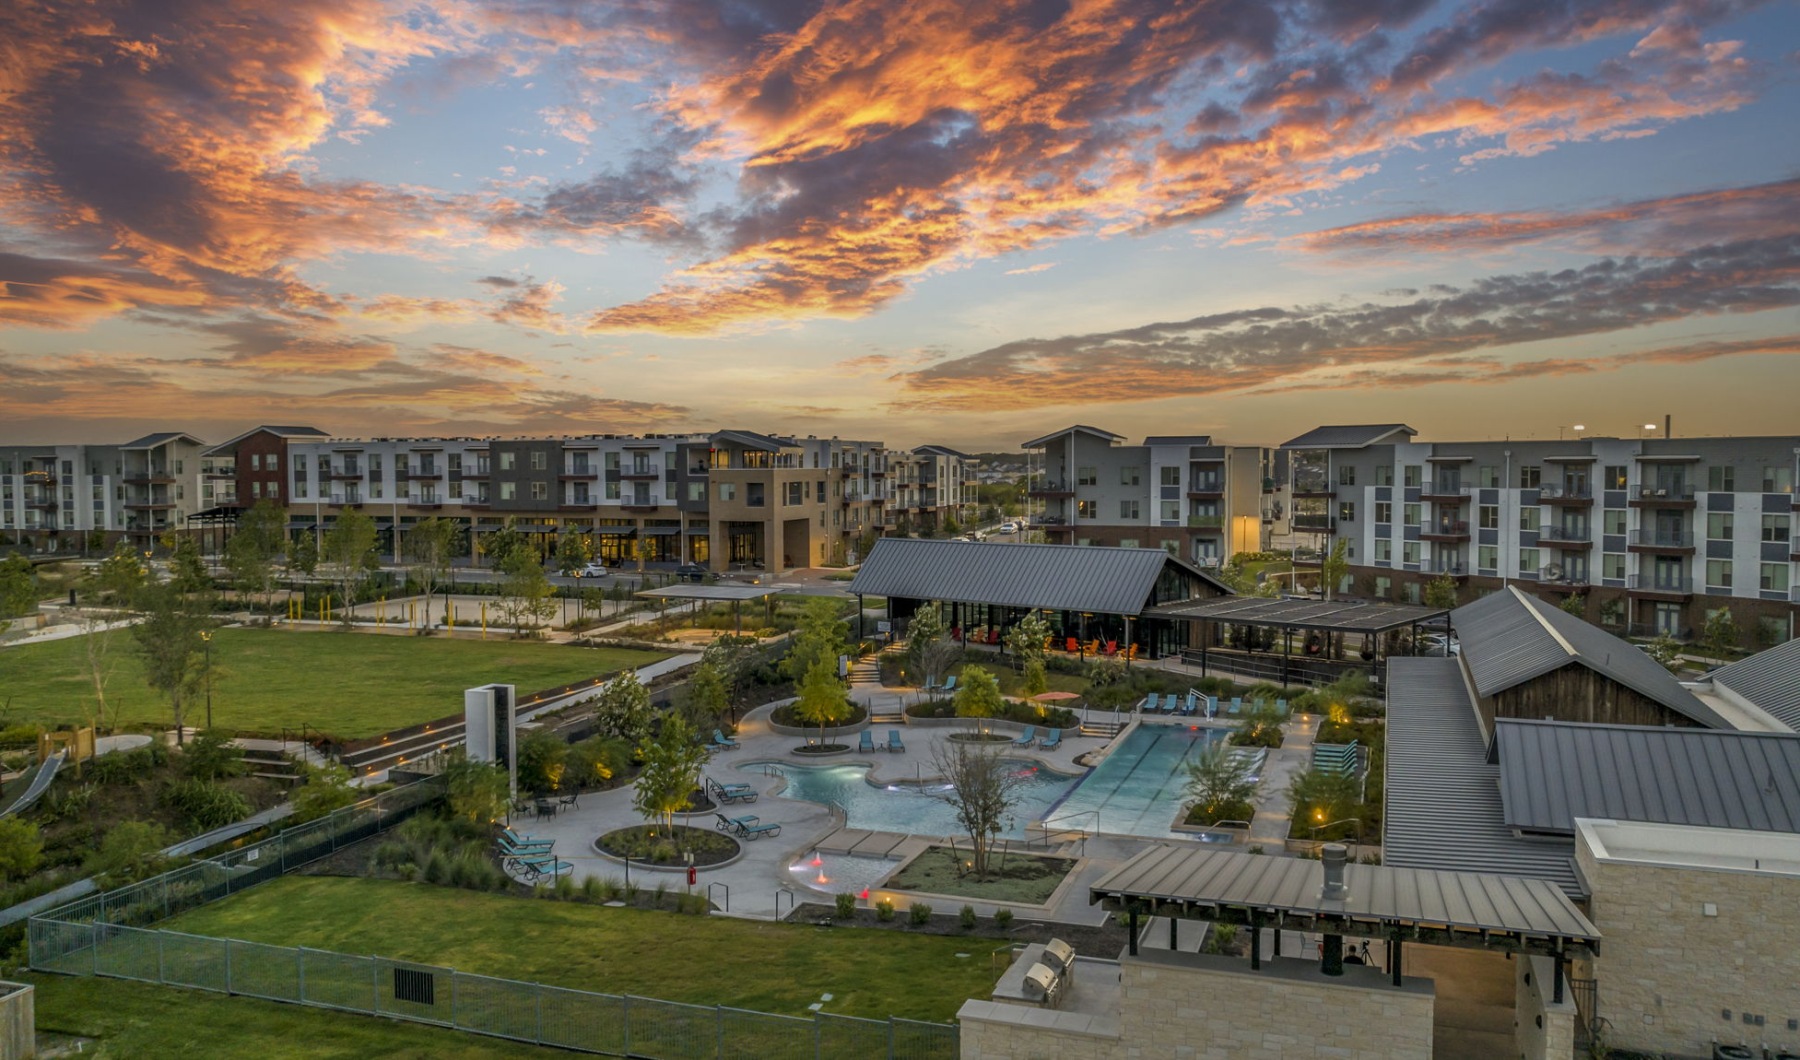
(1039, 443)
(1351, 436)
(1769, 679)
(1302, 614)
(1679, 846)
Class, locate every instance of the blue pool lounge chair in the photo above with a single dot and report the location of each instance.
(894, 743)
(866, 741)
(732, 824)
(1052, 741)
(949, 685)
(723, 741)
(1027, 738)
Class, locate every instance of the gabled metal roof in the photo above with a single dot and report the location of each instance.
(1039, 443)
(942, 450)
(753, 440)
(1509, 637)
(1349, 436)
(1443, 807)
(151, 441)
(1553, 772)
(1179, 439)
(1110, 581)
(1191, 874)
(229, 445)
(1302, 614)
(1769, 679)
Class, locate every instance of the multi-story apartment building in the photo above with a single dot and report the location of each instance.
(930, 485)
(1651, 534)
(1201, 500)
(57, 497)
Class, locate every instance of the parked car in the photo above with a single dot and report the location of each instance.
(1009, 528)
(1439, 644)
(596, 569)
(692, 572)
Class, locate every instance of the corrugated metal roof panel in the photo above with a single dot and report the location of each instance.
(1770, 679)
(1443, 801)
(1301, 614)
(1510, 637)
(1348, 436)
(1112, 581)
(1553, 772)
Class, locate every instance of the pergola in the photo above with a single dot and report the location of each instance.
(1396, 905)
(735, 594)
(1288, 615)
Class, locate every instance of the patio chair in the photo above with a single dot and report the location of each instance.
(723, 741)
(1281, 707)
(528, 849)
(1149, 705)
(894, 743)
(1052, 741)
(535, 869)
(1190, 705)
(1026, 738)
(733, 824)
(1112, 648)
(757, 831)
(949, 684)
(729, 792)
(866, 742)
(1212, 706)
(520, 839)
(1237, 704)
(1073, 647)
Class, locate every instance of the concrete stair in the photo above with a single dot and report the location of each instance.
(1104, 729)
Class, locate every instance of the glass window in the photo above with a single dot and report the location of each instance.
(1718, 574)
(1128, 509)
(1528, 559)
(1489, 514)
(509, 491)
(1530, 477)
(508, 460)
(375, 488)
(727, 491)
(1487, 557)
(1775, 577)
(612, 492)
(374, 463)
(1384, 474)
(1347, 475)
(1171, 511)
(1612, 521)
(1383, 587)
(696, 491)
(794, 493)
(1412, 475)
(1087, 509)
(1384, 550)
(540, 460)
(1409, 552)
(1775, 528)
(1718, 526)
(1530, 519)
(1721, 479)
(1411, 512)
(456, 489)
(455, 460)
(1488, 475)
(539, 490)
(1086, 476)
(256, 461)
(1612, 565)
(1128, 542)
(1173, 548)
(1170, 476)
(1384, 512)
(1614, 478)
(1347, 511)
(1778, 479)
(1130, 476)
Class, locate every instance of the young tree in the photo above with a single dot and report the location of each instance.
(707, 699)
(21, 848)
(169, 642)
(820, 635)
(1720, 635)
(525, 592)
(327, 788)
(1219, 785)
(983, 790)
(303, 553)
(622, 709)
(1036, 680)
(1322, 797)
(130, 850)
(501, 545)
(187, 567)
(212, 755)
(1334, 566)
(18, 586)
(978, 694)
(349, 555)
(477, 791)
(928, 648)
(822, 700)
(1025, 641)
(1575, 604)
(573, 550)
(670, 773)
(250, 554)
(120, 577)
(1440, 592)
(432, 545)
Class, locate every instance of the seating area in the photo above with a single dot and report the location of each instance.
(724, 793)
(1340, 758)
(531, 857)
(893, 742)
(721, 742)
(748, 826)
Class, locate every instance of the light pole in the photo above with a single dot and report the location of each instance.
(206, 638)
(1578, 428)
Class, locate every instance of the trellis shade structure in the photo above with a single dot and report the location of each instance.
(1442, 908)
(1336, 615)
(1108, 581)
(716, 593)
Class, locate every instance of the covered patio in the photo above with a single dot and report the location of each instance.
(1255, 635)
(712, 594)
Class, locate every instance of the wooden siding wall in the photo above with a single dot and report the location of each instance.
(1576, 693)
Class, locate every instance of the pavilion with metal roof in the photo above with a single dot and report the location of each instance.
(735, 594)
(1332, 618)
(1768, 680)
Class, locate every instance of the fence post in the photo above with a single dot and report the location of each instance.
(719, 1019)
(162, 977)
(228, 966)
(816, 1036)
(454, 977)
(890, 1038)
(300, 972)
(625, 1020)
(537, 998)
(94, 950)
(374, 984)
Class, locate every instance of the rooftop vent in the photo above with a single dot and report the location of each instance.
(1334, 855)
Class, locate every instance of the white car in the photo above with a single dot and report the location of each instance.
(1009, 528)
(596, 569)
(1438, 644)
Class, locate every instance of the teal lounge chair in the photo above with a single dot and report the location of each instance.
(757, 831)
(1027, 738)
(720, 740)
(535, 869)
(1149, 705)
(949, 685)
(1237, 704)
(866, 742)
(1052, 741)
(729, 792)
(894, 743)
(732, 824)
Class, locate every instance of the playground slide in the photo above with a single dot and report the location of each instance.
(32, 784)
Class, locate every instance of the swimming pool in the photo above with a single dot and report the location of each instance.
(1139, 786)
(911, 808)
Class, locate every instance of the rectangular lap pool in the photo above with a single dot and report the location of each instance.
(1138, 787)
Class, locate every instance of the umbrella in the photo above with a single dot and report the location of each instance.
(1049, 696)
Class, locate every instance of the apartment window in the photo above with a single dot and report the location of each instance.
(256, 490)
(1778, 479)
(1719, 526)
(1488, 475)
(612, 461)
(508, 461)
(179, 465)
(727, 491)
(1774, 577)
(403, 489)
(795, 492)
(1530, 477)
(696, 492)
(1614, 477)
(753, 495)
(1487, 557)
(1128, 542)
(1775, 528)
(1087, 509)
(1384, 474)
(540, 461)
(540, 491)
(1086, 476)
(375, 488)
(1384, 550)
(1718, 574)
(1722, 479)
(1410, 513)
(1384, 586)
(256, 461)
(1409, 552)
(1171, 511)
(1612, 521)
(1489, 515)
(612, 491)
(456, 489)
(1128, 509)
(1384, 512)
(1530, 519)
(509, 491)
(1130, 476)
(1347, 511)
(1347, 475)
(300, 465)
(1528, 559)
(821, 492)
(1173, 548)
(1612, 566)
(1411, 475)
(374, 463)
(1169, 476)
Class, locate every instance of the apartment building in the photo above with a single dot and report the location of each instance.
(56, 497)
(1200, 500)
(931, 484)
(1651, 534)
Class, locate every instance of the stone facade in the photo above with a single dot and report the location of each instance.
(1543, 1028)
(1689, 954)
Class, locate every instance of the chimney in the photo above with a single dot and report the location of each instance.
(1334, 855)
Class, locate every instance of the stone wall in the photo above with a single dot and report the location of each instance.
(1543, 1028)
(993, 1030)
(1681, 947)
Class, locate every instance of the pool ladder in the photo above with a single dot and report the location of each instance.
(770, 769)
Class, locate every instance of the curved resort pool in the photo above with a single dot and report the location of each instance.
(912, 808)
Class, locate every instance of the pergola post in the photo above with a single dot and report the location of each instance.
(1255, 943)
(1287, 648)
(1131, 926)
(859, 616)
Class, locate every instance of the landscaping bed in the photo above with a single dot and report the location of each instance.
(1017, 712)
(666, 846)
(787, 717)
(1027, 879)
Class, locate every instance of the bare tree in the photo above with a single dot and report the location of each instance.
(431, 546)
(983, 790)
(929, 648)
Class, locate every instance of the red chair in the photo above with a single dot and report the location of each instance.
(993, 636)
(1112, 647)
(1073, 647)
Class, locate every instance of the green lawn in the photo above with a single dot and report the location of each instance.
(347, 684)
(141, 1020)
(768, 967)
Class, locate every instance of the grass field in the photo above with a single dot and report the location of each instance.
(748, 964)
(128, 1020)
(348, 684)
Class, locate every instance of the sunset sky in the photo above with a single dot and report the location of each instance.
(913, 220)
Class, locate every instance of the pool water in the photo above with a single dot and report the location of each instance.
(911, 808)
(840, 873)
(1137, 788)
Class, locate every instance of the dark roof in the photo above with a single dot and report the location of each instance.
(1038, 443)
(1348, 436)
(1179, 439)
(1301, 614)
(1190, 874)
(1552, 772)
(1111, 581)
(752, 439)
(738, 593)
(1509, 637)
(150, 441)
(1769, 679)
(1443, 808)
(229, 445)
(943, 450)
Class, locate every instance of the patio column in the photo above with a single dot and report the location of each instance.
(1255, 943)
(1131, 926)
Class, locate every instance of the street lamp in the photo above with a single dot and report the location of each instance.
(1645, 429)
(1578, 427)
(206, 638)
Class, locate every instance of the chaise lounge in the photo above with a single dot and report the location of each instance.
(1026, 738)
(894, 743)
(729, 792)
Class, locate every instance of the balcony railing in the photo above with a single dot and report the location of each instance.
(1454, 569)
(1652, 495)
(1444, 491)
(641, 471)
(1653, 583)
(1670, 539)
(1581, 535)
(1313, 488)
(1206, 522)
(1640, 629)
(1318, 524)
(1561, 494)
(1559, 575)
(1211, 486)
(1445, 529)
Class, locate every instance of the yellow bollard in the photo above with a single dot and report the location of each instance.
(484, 620)
(449, 615)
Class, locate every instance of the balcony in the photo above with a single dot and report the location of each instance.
(1315, 524)
(402, 474)
(1446, 568)
(152, 478)
(50, 505)
(346, 500)
(1445, 530)
(1206, 522)
(641, 471)
(1566, 537)
(1206, 488)
(1648, 632)
(579, 473)
(1557, 577)
(1669, 541)
(1677, 495)
(1050, 490)
(638, 505)
(1313, 489)
(425, 504)
(1651, 585)
(344, 473)
(1794, 548)
(1567, 496)
(136, 506)
(1445, 492)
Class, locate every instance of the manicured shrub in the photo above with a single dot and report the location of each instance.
(846, 905)
(884, 911)
(565, 888)
(593, 889)
(1003, 919)
(919, 914)
(967, 917)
